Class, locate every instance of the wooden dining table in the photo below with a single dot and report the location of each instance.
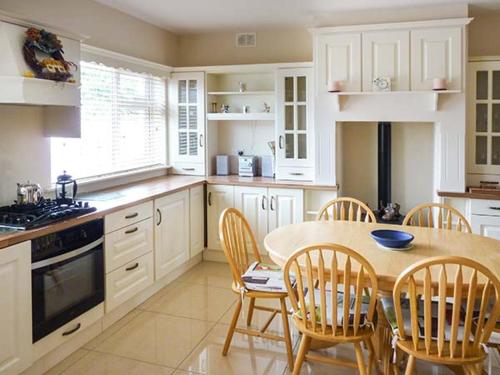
(388, 264)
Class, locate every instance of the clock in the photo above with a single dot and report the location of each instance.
(382, 84)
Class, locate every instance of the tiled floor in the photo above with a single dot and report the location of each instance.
(181, 331)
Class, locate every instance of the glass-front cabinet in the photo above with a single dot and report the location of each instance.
(295, 127)
(187, 122)
(484, 117)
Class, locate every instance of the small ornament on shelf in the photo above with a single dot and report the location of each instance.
(242, 86)
(246, 108)
(224, 108)
(334, 86)
(382, 84)
(267, 108)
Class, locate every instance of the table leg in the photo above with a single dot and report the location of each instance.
(383, 338)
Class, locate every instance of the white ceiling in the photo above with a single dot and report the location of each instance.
(200, 16)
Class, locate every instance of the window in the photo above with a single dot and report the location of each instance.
(123, 125)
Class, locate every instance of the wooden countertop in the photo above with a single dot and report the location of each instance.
(110, 200)
(267, 182)
(468, 195)
(123, 196)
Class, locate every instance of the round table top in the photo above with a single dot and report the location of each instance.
(388, 264)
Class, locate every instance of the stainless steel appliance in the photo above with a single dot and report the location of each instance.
(29, 193)
(222, 165)
(67, 276)
(247, 166)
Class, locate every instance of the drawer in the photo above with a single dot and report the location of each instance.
(295, 173)
(128, 280)
(126, 244)
(485, 207)
(195, 169)
(127, 216)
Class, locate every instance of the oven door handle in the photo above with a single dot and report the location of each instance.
(71, 254)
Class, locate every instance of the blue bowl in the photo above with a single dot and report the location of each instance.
(392, 238)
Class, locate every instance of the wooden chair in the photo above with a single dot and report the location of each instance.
(455, 341)
(423, 216)
(336, 210)
(239, 247)
(322, 268)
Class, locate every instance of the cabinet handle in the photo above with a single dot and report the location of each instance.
(188, 169)
(131, 216)
(131, 230)
(132, 267)
(280, 142)
(210, 198)
(71, 331)
(296, 174)
(159, 216)
(263, 202)
(201, 140)
(494, 208)
(271, 205)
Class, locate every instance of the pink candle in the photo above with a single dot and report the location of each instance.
(439, 84)
(334, 86)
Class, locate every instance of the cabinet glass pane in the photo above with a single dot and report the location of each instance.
(302, 146)
(289, 146)
(289, 89)
(183, 143)
(496, 85)
(182, 91)
(495, 150)
(481, 117)
(182, 117)
(495, 123)
(301, 89)
(481, 149)
(289, 117)
(193, 144)
(482, 85)
(193, 86)
(301, 117)
(193, 117)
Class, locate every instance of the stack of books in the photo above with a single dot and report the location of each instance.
(265, 278)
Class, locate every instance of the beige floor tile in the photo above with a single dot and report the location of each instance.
(209, 273)
(106, 364)
(67, 362)
(247, 355)
(191, 301)
(92, 344)
(156, 338)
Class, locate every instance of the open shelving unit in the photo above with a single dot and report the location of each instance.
(264, 116)
(243, 93)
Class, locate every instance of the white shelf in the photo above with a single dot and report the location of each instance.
(241, 116)
(433, 94)
(241, 93)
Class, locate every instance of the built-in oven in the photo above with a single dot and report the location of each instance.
(67, 276)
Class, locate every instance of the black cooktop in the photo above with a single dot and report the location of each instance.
(48, 211)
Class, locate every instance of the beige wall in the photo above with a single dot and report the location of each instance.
(106, 27)
(484, 34)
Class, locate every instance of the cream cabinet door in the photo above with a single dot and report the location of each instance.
(219, 197)
(286, 206)
(338, 58)
(197, 219)
(15, 307)
(171, 232)
(436, 53)
(386, 54)
(488, 226)
(253, 203)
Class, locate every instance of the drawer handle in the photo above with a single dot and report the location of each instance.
(188, 169)
(71, 331)
(131, 216)
(494, 208)
(131, 230)
(296, 174)
(132, 267)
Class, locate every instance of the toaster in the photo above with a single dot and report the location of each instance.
(247, 166)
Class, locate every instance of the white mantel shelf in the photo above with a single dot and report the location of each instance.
(264, 116)
(433, 95)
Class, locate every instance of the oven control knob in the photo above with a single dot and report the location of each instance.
(86, 205)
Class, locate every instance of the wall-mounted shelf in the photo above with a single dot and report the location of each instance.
(241, 93)
(434, 95)
(241, 116)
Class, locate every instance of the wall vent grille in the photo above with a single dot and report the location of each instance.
(246, 40)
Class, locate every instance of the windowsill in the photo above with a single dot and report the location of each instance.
(88, 185)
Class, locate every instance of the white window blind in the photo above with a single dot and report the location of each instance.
(123, 125)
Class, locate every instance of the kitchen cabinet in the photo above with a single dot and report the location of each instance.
(187, 122)
(483, 117)
(488, 226)
(219, 197)
(295, 124)
(286, 206)
(197, 219)
(338, 58)
(436, 53)
(171, 232)
(15, 306)
(386, 54)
